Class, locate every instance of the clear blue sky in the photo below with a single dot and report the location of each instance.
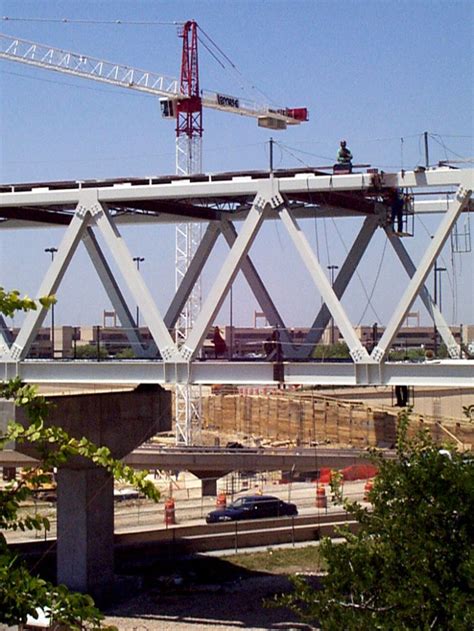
(378, 73)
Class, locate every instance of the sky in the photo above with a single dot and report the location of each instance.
(377, 73)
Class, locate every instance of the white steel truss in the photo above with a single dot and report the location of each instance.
(179, 363)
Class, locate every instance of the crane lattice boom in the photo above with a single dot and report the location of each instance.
(85, 66)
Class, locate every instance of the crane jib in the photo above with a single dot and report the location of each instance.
(175, 101)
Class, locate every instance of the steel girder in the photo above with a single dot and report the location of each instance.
(178, 365)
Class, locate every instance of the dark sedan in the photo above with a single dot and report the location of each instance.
(252, 507)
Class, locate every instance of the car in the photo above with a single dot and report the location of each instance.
(252, 507)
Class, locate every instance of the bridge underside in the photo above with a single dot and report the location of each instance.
(87, 211)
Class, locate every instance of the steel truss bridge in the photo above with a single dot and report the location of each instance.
(88, 209)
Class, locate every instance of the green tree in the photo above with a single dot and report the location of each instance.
(21, 592)
(411, 565)
(89, 351)
(339, 350)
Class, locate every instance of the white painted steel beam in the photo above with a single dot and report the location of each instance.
(341, 282)
(112, 289)
(238, 186)
(418, 279)
(135, 283)
(268, 197)
(455, 373)
(258, 288)
(431, 306)
(191, 276)
(357, 351)
(68, 246)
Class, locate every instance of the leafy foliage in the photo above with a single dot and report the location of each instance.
(339, 350)
(90, 351)
(411, 565)
(12, 301)
(21, 593)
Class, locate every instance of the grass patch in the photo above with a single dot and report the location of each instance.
(280, 561)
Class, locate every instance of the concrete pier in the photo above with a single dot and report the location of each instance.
(121, 421)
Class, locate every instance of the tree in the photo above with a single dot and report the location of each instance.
(411, 565)
(90, 351)
(21, 593)
(339, 350)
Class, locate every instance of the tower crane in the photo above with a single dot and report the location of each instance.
(182, 101)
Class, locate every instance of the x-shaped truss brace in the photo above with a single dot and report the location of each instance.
(91, 214)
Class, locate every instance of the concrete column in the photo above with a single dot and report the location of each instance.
(209, 486)
(85, 541)
(121, 421)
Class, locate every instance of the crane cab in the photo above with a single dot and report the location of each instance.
(168, 108)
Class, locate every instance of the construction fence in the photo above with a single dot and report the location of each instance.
(310, 419)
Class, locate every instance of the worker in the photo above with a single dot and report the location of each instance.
(396, 218)
(401, 394)
(344, 155)
(220, 347)
(272, 347)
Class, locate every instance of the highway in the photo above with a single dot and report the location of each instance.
(218, 460)
(143, 520)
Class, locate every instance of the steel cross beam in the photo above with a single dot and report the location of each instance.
(341, 282)
(418, 279)
(136, 284)
(267, 198)
(357, 351)
(68, 246)
(431, 306)
(192, 274)
(256, 285)
(113, 291)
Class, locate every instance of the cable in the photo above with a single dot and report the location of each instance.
(7, 18)
(307, 153)
(284, 147)
(81, 87)
(379, 319)
(232, 64)
(369, 299)
(446, 149)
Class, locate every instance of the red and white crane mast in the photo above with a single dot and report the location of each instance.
(183, 103)
(189, 111)
(189, 130)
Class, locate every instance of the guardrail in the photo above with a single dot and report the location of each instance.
(143, 547)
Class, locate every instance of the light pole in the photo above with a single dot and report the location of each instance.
(332, 269)
(437, 284)
(138, 260)
(52, 251)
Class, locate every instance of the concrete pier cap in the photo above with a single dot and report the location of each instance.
(121, 421)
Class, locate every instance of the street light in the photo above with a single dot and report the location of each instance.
(138, 260)
(332, 269)
(52, 251)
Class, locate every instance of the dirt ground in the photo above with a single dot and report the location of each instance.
(235, 605)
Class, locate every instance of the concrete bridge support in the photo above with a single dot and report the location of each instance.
(121, 421)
